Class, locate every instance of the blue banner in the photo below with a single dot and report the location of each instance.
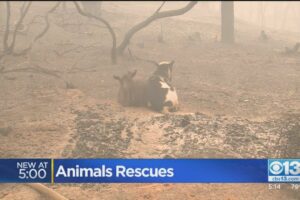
(149, 170)
(161, 171)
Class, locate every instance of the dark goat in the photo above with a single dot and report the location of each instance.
(131, 92)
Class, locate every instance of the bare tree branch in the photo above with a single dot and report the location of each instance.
(142, 59)
(47, 23)
(111, 31)
(163, 3)
(23, 14)
(42, 33)
(9, 49)
(156, 15)
(72, 49)
(37, 69)
(6, 33)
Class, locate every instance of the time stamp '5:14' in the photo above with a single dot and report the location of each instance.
(277, 186)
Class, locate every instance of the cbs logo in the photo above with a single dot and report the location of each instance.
(276, 167)
(289, 168)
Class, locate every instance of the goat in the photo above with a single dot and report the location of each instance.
(131, 92)
(161, 95)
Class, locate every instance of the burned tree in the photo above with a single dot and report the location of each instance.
(132, 31)
(155, 16)
(227, 20)
(9, 45)
(9, 48)
(44, 30)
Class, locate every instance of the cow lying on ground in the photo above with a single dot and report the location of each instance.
(156, 93)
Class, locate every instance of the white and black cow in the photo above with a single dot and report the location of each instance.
(161, 95)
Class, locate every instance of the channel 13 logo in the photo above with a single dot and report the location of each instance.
(284, 170)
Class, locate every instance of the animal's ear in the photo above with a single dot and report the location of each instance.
(117, 77)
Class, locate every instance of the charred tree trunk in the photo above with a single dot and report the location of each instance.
(227, 18)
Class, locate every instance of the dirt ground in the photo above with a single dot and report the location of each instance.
(236, 101)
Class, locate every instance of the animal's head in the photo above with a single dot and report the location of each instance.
(125, 90)
(164, 69)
